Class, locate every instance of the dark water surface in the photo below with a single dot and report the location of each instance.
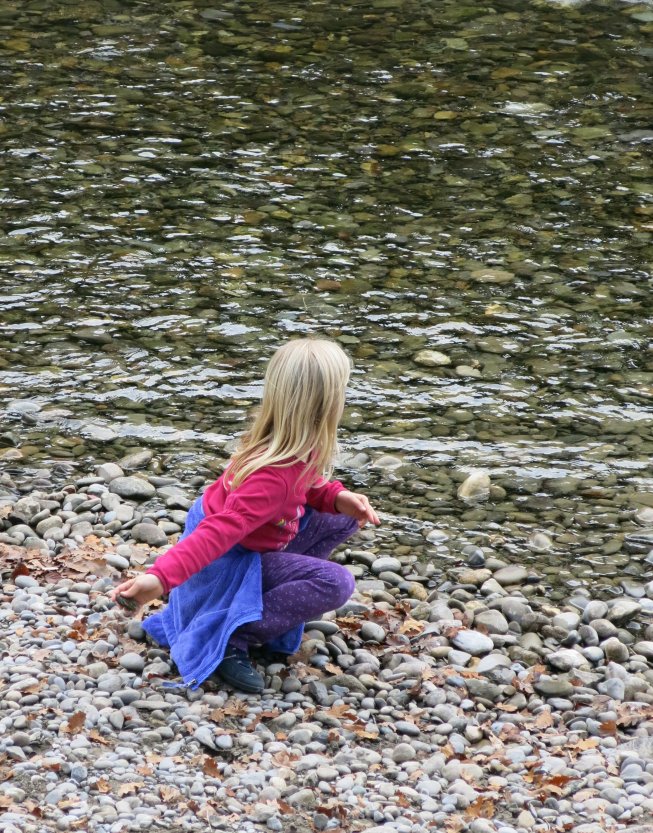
(185, 185)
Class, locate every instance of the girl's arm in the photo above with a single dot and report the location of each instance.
(323, 495)
(255, 502)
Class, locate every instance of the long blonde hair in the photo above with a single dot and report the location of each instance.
(303, 401)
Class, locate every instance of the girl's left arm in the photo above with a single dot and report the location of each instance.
(323, 495)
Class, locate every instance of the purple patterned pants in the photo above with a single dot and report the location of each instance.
(302, 584)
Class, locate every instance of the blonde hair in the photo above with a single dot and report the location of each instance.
(303, 401)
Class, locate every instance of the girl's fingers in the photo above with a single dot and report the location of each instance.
(121, 589)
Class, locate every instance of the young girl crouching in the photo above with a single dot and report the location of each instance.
(252, 565)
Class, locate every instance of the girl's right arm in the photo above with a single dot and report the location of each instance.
(255, 502)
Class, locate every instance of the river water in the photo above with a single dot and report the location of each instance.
(185, 186)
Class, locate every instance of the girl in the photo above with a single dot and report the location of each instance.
(252, 565)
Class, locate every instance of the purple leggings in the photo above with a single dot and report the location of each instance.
(302, 584)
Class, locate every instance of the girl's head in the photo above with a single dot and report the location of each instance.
(303, 401)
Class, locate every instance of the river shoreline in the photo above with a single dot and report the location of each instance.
(449, 696)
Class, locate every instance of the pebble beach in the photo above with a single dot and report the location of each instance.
(447, 695)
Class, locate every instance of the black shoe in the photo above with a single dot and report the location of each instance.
(267, 657)
(237, 670)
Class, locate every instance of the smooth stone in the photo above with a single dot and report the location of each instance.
(476, 487)
(493, 620)
(149, 534)
(109, 471)
(472, 642)
(621, 611)
(132, 487)
(644, 648)
(566, 659)
(386, 564)
(552, 687)
(136, 459)
(132, 662)
(431, 358)
(512, 574)
(372, 632)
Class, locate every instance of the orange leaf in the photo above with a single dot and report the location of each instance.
(210, 767)
(98, 738)
(75, 724)
(482, 808)
(608, 727)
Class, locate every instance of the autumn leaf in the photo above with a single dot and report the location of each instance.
(544, 720)
(19, 570)
(341, 710)
(349, 624)
(68, 802)
(169, 794)
(144, 769)
(236, 708)
(482, 808)
(75, 724)
(207, 812)
(102, 785)
(608, 727)
(97, 737)
(130, 788)
(78, 630)
(210, 767)
(411, 626)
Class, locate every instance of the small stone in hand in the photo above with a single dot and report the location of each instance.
(129, 604)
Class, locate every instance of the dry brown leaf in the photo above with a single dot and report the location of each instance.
(98, 738)
(102, 785)
(454, 824)
(411, 626)
(608, 727)
(349, 624)
(130, 788)
(144, 769)
(78, 630)
(210, 767)
(482, 808)
(68, 802)
(341, 710)
(75, 724)
(236, 708)
(544, 720)
(207, 812)
(169, 794)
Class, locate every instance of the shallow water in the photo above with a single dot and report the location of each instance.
(185, 187)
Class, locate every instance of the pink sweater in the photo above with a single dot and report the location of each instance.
(262, 514)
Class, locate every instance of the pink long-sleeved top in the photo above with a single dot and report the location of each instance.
(262, 514)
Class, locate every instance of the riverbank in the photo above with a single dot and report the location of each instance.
(447, 695)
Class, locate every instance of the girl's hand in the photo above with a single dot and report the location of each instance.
(356, 506)
(142, 589)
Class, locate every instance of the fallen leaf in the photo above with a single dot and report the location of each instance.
(544, 720)
(210, 767)
(130, 788)
(102, 785)
(207, 812)
(78, 630)
(169, 794)
(98, 738)
(482, 808)
(75, 724)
